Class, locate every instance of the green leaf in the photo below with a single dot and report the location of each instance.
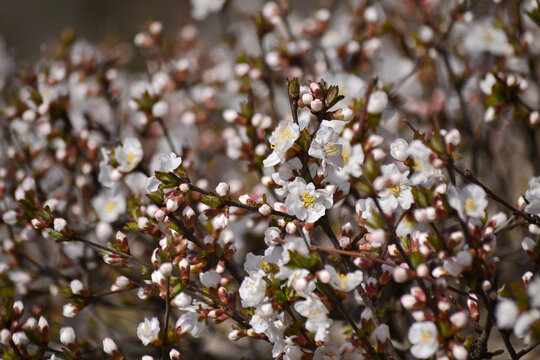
(58, 236)
(311, 261)
(133, 208)
(167, 180)
(156, 196)
(45, 214)
(178, 288)
(416, 258)
(437, 143)
(212, 200)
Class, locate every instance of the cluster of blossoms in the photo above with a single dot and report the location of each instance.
(308, 200)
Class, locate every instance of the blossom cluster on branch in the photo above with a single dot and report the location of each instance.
(328, 180)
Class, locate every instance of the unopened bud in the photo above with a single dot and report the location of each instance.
(67, 336)
(324, 276)
(109, 346)
(265, 209)
(400, 274)
(223, 189)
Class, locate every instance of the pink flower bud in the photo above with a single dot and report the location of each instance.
(109, 346)
(18, 309)
(60, 225)
(166, 269)
(143, 222)
(459, 319)
(77, 287)
(408, 301)
(307, 98)
(400, 274)
(175, 354)
(265, 209)
(300, 285)
(184, 187)
(316, 105)
(290, 228)
(344, 241)
(172, 204)
(160, 215)
(67, 336)
(223, 189)
(324, 276)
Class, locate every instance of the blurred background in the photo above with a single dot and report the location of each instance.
(27, 24)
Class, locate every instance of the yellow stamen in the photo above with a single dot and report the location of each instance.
(284, 134)
(395, 190)
(263, 264)
(425, 337)
(469, 204)
(417, 165)
(130, 157)
(307, 199)
(110, 206)
(342, 279)
(331, 149)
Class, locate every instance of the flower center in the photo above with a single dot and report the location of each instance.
(395, 190)
(331, 149)
(130, 157)
(469, 204)
(307, 199)
(488, 38)
(284, 134)
(417, 165)
(263, 264)
(343, 278)
(346, 156)
(110, 206)
(426, 337)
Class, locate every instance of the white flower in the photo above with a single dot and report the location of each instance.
(423, 337)
(327, 352)
(424, 171)
(506, 314)
(533, 196)
(398, 149)
(468, 202)
(483, 37)
(189, 322)
(202, 8)
(487, 83)
(353, 157)
(344, 282)
(148, 330)
(316, 314)
(136, 182)
(108, 206)
(377, 102)
(252, 290)
(10, 217)
(129, 154)
(456, 264)
(166, 163)
(533, 290)
(324, 147)
(182, 301)
(306, 202)
(524, 322)
(20, 338)
(280, 141)
(394, 189)
(210, 279)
